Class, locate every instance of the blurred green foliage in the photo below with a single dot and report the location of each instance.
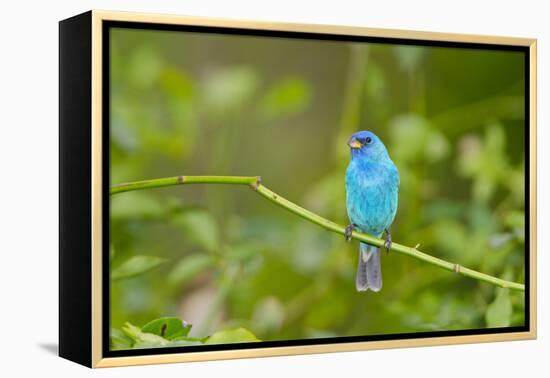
(171, 332)
(223, 259)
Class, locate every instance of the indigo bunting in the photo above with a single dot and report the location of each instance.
(372, 186)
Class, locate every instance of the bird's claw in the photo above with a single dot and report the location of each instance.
(348, 232)
(387, 241)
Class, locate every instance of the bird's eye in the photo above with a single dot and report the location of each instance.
(368, 140)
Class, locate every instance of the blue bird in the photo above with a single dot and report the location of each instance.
(372, 186)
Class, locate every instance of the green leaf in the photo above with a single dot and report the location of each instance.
(119, 340)
(243, 251)
(144, 67)
(268, 315)
(136, 265)
(136, 205)
(413, 138)
(167, 327)
(239, 335)
(177, 83)
(143, 339)
(185, 341)
(229, 87)
(188, 268)
(515, 219)
(200, 228)
(499, 312)
(199, 340)
(289, 96)
(409, 57)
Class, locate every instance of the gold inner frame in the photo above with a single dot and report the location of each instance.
(97, 55)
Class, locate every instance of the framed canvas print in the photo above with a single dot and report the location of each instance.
(234, 189)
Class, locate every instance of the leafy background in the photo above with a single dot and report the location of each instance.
(237, 268)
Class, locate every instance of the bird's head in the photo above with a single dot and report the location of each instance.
(366, 145)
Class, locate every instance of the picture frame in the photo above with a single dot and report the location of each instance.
(85, 186)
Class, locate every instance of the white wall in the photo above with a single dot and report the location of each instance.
(28, 202)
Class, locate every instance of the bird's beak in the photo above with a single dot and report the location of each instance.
(354, 143)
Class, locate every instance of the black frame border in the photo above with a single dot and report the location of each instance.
(107, 25)
(75, 194)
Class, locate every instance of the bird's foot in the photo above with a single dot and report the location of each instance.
(387, 241)
(348, 232)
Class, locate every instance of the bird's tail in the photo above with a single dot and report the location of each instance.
(369, 274)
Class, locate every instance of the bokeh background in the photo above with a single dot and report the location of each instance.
(222, 257)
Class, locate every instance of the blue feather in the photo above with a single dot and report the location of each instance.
(372, 186)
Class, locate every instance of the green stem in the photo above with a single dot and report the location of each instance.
(256, 185)
(179, 180)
